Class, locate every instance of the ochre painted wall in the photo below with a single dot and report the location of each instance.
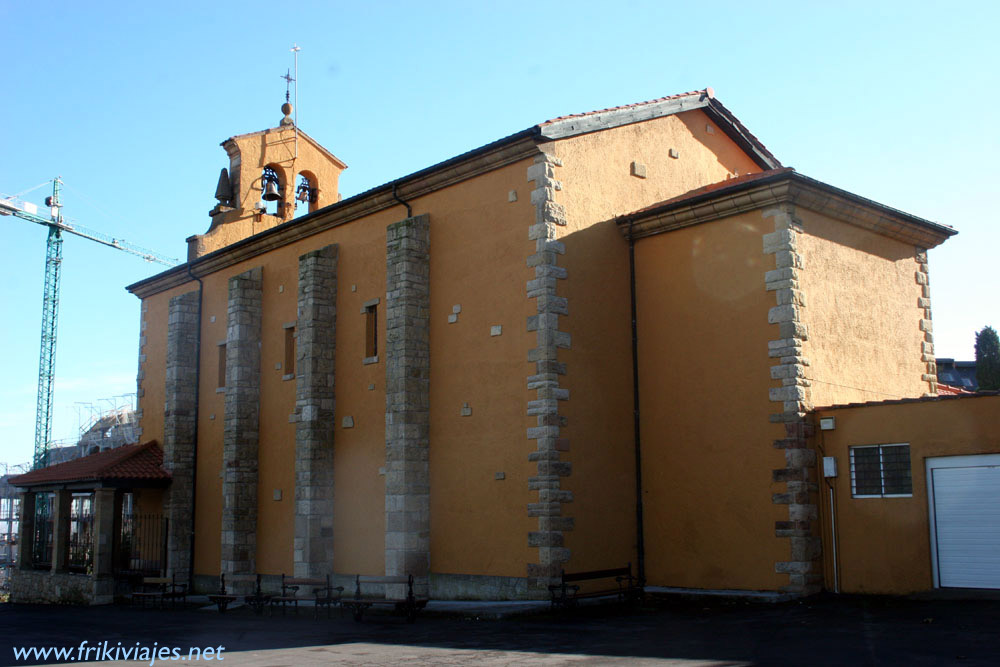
(598, 185)
(861, 309)
(148, 501)
(704, 378)
(479, 242)
(883, 544)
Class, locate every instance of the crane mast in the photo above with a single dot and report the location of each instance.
(50, 322)
(50, 299)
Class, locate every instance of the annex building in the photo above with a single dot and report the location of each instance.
(597, 341)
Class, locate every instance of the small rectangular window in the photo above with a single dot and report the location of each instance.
(370, 311)
(222, 366)
(881, 471)
(289, 367)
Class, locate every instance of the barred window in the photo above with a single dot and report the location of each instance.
(881, 471)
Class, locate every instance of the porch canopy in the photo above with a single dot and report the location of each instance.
(71, 516)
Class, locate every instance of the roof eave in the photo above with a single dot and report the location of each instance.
(786, 187)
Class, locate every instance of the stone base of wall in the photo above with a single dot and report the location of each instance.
(442, 586)
(40, 586)
(480, 587)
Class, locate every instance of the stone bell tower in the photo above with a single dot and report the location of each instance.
(274, 176)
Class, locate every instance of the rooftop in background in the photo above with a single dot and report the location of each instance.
(960, 374)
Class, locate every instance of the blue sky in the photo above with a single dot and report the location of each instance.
(128, 102)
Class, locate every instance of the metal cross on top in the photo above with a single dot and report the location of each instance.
(287, 76)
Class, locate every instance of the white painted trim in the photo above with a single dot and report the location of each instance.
(931, 464)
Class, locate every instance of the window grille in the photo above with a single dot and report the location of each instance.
(41, 539)
(81, 533)
(881, 471)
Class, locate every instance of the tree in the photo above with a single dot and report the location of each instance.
(988, 359)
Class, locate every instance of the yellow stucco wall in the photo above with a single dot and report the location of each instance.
(861, 309)
(479, 243)
(148, 501)
(598, 185)
(479, 524)
(883, 544)
(706, 437)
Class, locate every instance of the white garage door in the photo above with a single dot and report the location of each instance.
(964, 498)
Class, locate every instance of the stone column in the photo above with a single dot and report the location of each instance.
(314, 406)
(60, 530)
(104, 540)
(407, 401)
(242, 424)
(25, 530)
(552, 445)
(926, 323)
(180, 430)
(804, 567)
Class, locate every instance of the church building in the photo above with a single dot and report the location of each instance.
(594, 342)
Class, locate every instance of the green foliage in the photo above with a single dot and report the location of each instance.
(988, 359)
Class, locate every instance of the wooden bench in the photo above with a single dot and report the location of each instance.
(158, 589)
(409, 606)
(323, 594)
(567, 592)
(255, 600)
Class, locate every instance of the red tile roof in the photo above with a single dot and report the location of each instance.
(948, 390)
(143, 461)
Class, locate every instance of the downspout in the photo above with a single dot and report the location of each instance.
(194, 445)
(409, 211)
(640, 538)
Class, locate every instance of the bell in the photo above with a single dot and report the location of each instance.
(271, 192)
(224, 190)
(302, 194)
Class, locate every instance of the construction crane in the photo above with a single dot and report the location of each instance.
(56, 225)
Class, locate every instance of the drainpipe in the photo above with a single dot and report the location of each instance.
(640, 538)
(194, 448)
(409, 211)
(833, 538)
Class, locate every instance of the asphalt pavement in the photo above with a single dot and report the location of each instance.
(824, 630)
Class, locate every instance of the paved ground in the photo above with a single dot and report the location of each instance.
(821, 631)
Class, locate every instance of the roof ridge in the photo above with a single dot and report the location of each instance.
(704, 91)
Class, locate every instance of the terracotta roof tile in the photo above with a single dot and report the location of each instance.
(143, 461)
(948, 390)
